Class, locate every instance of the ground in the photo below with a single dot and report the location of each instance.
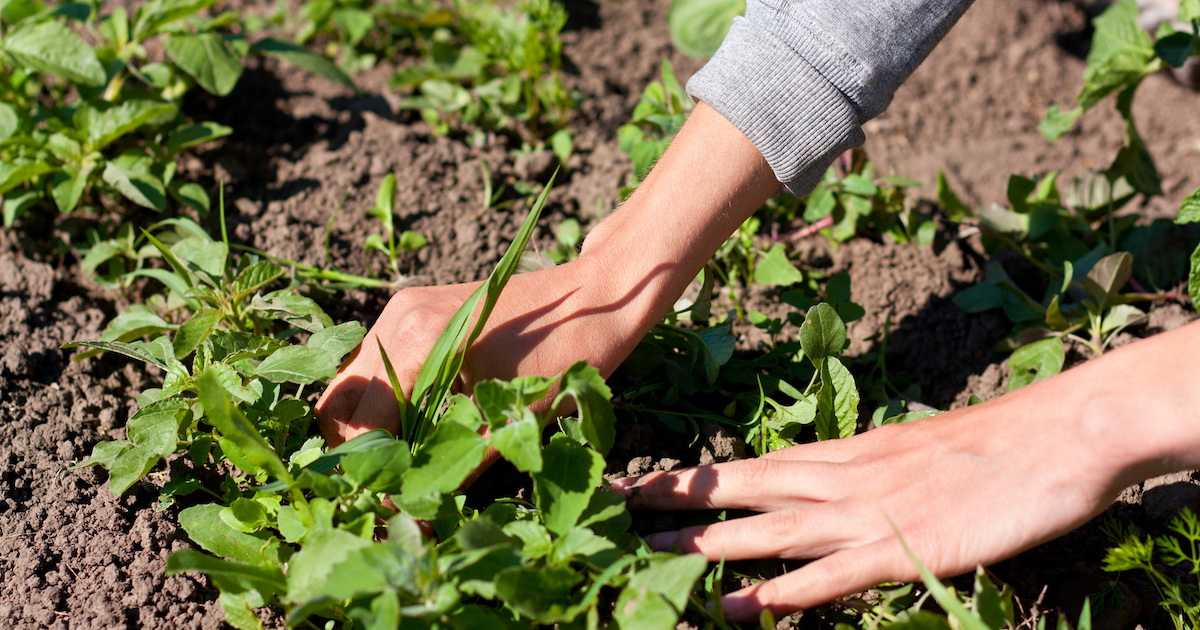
(305, 150)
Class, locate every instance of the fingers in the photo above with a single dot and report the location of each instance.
(821, 581)
(799, 533)
(762, 485)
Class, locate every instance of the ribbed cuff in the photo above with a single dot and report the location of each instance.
(798, 120)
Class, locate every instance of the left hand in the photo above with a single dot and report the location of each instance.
(967, 487)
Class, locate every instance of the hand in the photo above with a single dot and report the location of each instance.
(968, 487)
(543, 323)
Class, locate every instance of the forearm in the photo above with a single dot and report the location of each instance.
(710, 180)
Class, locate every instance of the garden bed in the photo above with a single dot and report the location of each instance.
(305, 149)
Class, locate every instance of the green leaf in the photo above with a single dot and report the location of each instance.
(13, 174)
(195, 330)
(543, 594)
(207, 58)
(655, 597)
(822, 334)
(338, 340)
(129, 466)
(1189, 212)
(1175, 48)
(69, 185)
(563, 490)
(1057, 122)
(52, 48)
(297, 364)
(305, 58)
(155, 14)
(947, 600)
(135, 350)
(310, 568)
(698, 27)
(156, 426)
(379, 469)
(837, 401)
(104, 125)
(234, 426)
(196, 134)
(232, 346)
(238, 611)
(443, 463)
(10, 123)
(253, 278)
(245, 515)
(520, 443)
(232, 577)
(1194, 277)
(130, 175)
(774, 269)
(1036, 361)
(204, 254)
(1189, 11)
(104, 454)
(1104, 281)
(597, 421)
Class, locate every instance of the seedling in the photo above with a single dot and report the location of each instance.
(384, 210)
(1179, 589)
(493, 68)
(658, 116)
(77, 119)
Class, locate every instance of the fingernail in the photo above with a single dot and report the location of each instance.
(624, 484)
(662, 541)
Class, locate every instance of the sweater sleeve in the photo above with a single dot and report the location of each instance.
(801, 77)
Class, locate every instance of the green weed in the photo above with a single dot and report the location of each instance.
(1180, 594)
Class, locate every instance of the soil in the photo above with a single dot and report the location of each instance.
(303, 165)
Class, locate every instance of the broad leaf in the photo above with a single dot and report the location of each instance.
(234, 426)
(193, 135)
(338, 340)
(543, 594)
(195, 330)
(52, 48)
(104, 125)
(298, 364)
(155, 14)
(698, 26)
(130, 175)
(1189, 212)
(379, 469)
(15, 173)
(207, 58)
(1104, 281)
(204, 525)
(563, 490)
(444, 461)
(774, 269)
(822, 334)
(837, 401)
(597, 421)
(520, 443)
(305, 58)
(232, 577)
(1034, 362)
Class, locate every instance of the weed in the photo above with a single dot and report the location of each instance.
(386, 242)
(77, 118)
(1180, 596)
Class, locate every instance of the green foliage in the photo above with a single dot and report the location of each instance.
(1178, 587)
(79, 121)
(386, 242)
(495, 68)
(658, 116)
(361, 32)
(859, 200)
(699, 26)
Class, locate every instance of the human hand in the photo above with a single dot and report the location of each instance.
(968, 487)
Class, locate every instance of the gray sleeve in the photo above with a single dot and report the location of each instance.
(800, 77)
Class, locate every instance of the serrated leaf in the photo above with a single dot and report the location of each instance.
(1036, 361)
(235, 427)
(563, 490)
(774, 269)
(253, 278)
(207, 58)
(305, 58)
(338, 340)
(194, 331)
(444, 461)
(297, 364)
(379, 469)
(1189, 211)
(597, 421)
(52, 48)
(822, 334)
(232, 346)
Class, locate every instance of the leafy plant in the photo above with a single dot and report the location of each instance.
(1179, 590)
(658, 116)
(386, 242)
(361, 32)
(699, 26)
(77, 118)
(495, 67)
(844, 203)
(1121, 56)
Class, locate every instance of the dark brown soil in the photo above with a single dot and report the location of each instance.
(303, 166)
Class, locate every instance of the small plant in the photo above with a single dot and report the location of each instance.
(845, 203)
(1179, 590)
(496, 69)
(393, 248)
(699, 26)
(361, 32)
(77, 118)
(1121, 56)
(658, 116)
